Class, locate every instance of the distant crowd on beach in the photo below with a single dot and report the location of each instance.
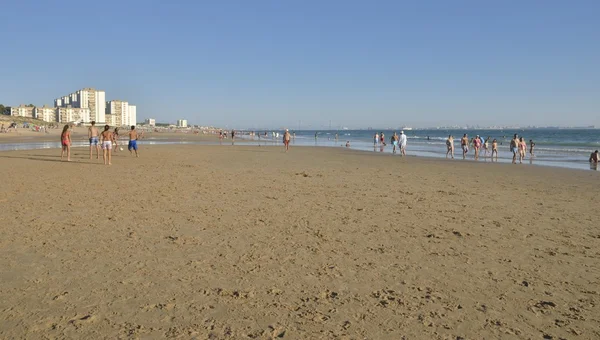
(489, 146)
(107, 140)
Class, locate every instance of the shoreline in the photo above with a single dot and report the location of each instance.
(50, 142)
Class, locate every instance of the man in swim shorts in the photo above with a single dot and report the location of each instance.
(514, 148)
(395, 140)
(93, 137)
(464, 143)
(133, 136)
(106, 138)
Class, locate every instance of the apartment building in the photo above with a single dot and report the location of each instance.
(125, 113)
(45, 113)
(72, 114)
(150, 121)
(182, 123)
(23, 111)
(88, 98)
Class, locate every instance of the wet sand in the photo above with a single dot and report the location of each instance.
(221, 242)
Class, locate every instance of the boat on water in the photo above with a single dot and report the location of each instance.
(406, 128)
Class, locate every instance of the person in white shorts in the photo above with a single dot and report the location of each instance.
(402, 143)
(107, 138)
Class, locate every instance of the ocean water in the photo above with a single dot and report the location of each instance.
(569, 148)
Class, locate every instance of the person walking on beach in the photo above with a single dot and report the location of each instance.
(106, 137)
(116, 138)
(486, 146)
(382, 139)
(65, 141)
(402, 143)
(132, 146)
(93, 137)
(395, 140)
(531, 146)
(476, 146)
(450, 146)
(464, 144)
(286, 140)
(232, 136)
(336, 137)
(522, 149)
(221, 137)
(514, 148)
(375, 139)
(494, 149)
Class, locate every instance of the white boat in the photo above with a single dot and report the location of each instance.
(407, 128)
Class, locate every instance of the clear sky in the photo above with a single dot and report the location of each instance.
(275, 63)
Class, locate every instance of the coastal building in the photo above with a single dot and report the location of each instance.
(45, 113)
(112, 120)
(119, 109)
(132, 115)
(150, 121)
(72, 115)
(182, 123)
(88, 98)
(124, 113)
(23, 111)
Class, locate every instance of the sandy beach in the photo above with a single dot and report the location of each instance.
(249, 242)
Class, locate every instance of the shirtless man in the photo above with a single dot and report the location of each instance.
(531, 146)
(133, 136)
(464, 143)
(514, 148)
(286, 139)
(93, 137)
(107, 138)
(395, 141)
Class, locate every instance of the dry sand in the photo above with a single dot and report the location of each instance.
(212, 242)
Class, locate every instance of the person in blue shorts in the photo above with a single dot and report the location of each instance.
(514, 148)
(93, 135)
(133, 136)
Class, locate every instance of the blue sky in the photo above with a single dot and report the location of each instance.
(276, 63)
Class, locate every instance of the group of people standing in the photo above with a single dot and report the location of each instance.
(105, 141)
(398, 142)
(518, 147)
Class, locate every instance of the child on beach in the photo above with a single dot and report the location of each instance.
(107, 138)
(494, 149)
(531, 146)
(394, 140)
(65, 141)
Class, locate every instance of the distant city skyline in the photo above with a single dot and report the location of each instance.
(273, 64)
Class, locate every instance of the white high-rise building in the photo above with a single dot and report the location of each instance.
(120, 110)
(87, 98)
(132, 115)
(150, 121)
(182, 123)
